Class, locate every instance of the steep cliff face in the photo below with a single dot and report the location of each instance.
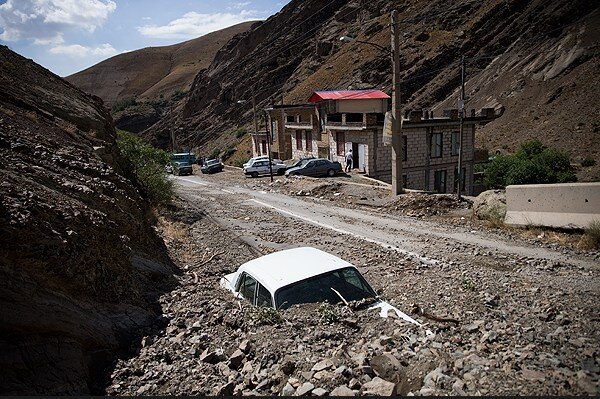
(534, 56)
(79, 261)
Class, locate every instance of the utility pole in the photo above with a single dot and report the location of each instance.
(254, 112)
(269, 145)
(172, 130)
(396, 112)
(460, 131)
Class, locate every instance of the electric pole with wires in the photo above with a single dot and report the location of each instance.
(461, 105)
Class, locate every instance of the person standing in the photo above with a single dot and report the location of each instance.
(349, 158)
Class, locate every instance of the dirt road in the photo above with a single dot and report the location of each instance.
(527, 318)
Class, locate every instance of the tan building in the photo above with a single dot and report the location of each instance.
(336, 121)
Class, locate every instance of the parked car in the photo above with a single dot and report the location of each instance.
(315, 167)
(187, 157)
(261, 158)
(212, 166)
(303, 275)
(261, 167)
(299, 162)
(182, 168)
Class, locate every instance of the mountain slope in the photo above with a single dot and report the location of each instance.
(518, 51)
(153, 71)
(80, 264)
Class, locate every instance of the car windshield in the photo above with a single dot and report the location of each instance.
(212, 162)
(302, 162)
(183, 164)
(348, 282)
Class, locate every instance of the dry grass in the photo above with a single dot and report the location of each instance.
(170, 230)
(591, 238)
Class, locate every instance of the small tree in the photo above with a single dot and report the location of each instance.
(148, 165)
(533, 163)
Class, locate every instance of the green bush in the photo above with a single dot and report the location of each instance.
(148, 165)
(123, 104)
(240, 162)
(178, 95)
(588, 161)
(533, 163)
(228, 153)
(215, 154)
(240, 133)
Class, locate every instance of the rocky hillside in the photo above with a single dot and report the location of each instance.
(80, 264)
(536, 57)
(153, 71)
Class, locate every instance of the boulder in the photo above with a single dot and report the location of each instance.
(379, 387)
(490, 205)
(342, 390)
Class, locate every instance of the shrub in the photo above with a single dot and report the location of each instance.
(593, 232)
(228, 153)
(240, 133)
(123, 104)
(533, 163)
(261, 316)
(588, 161)
(148, 165)
(328, 313)
(215, 153)
(240, 162)
(178, 95)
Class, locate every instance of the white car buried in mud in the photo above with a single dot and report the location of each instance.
(304, 275)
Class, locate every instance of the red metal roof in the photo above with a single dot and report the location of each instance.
(347, 95)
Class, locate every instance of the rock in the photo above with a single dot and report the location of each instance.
(532, 375)
(226, 390)
(354, 383)
(342, 390)
(209, 357)
(304, 389)
(235, 360)
(288, 366)
(387, 367)
(319, 392)
(288, 390)
(490, 205)
(244, 346)
(471, 328)
(379, 387)
(323, 365)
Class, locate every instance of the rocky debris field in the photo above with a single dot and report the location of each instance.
(493, 324)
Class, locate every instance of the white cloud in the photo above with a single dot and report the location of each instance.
(44, 21)
(193, 24)
(79, 51)
(240, 5)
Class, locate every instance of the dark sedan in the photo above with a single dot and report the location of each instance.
(315, 167)
(212, 166)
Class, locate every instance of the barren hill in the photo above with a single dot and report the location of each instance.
(153, 71)
(539, 58)
(80, 263)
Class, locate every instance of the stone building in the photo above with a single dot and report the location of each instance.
(333, 122)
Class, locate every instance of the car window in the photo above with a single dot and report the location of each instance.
(348, 282)
(263, 297)
(310, 164)
(247, 287)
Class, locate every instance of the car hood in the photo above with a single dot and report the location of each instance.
(295, 169)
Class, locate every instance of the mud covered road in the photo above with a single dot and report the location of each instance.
(527, 315)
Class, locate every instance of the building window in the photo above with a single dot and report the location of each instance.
(463, 178)
(290, 119)
(404, 148)
(404, 181)
(340, 139)
(263, 145)
(334, 118)
(308, 140)
(439, 181)
(299, 139)
(354, 118)
(436, 145)
(304, 118)
(380, 119)
(274, 128)
(455, 143)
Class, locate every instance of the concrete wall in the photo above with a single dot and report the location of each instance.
(362, 106)
(567, 205)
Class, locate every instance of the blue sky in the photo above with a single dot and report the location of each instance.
(67, 36)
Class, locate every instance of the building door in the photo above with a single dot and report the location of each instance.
(354, 155)
(263, 146)
(439, 181)
(361, 157)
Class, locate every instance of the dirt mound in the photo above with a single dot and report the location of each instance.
(421, 205)
(80, 264)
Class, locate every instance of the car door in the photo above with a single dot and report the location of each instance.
(261, 167)
(311, 168)
(247, 287)
(322, 167)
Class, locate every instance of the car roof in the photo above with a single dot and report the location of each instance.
(283, 268)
